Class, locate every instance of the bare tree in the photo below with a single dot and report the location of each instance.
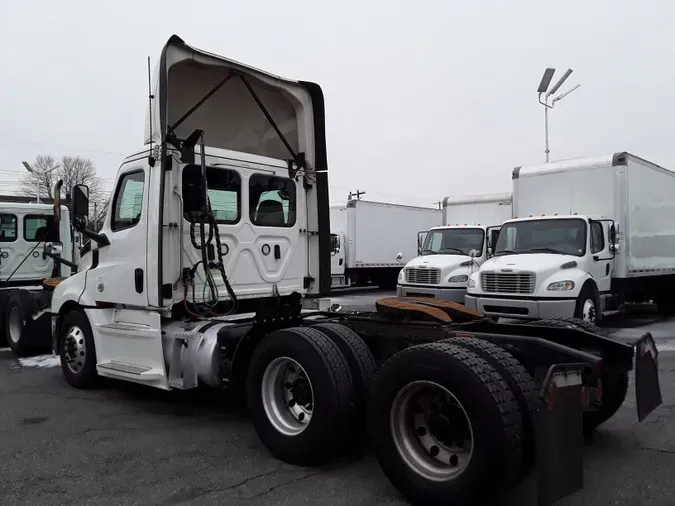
(73, 170)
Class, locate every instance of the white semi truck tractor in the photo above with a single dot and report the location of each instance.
(449, 254)
(218, 233)
(588, 235)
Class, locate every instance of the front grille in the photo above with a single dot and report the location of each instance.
(494, 282)
(423, 276)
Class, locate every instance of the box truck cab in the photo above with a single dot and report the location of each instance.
(589, 234)
(448, 255)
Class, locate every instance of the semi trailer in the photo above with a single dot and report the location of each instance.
(372, 241)
(177, 295)
(449, 254)
(588, 235)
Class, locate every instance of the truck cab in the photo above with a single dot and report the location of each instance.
(24, 229)
(447, 257)
(547, 266)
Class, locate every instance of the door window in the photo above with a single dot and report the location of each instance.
(37, 228)
(8, 228)
(128, 203)
(272, 201)
(224, 193)
(597, 237)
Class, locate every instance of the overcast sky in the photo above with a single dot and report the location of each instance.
(424, 99)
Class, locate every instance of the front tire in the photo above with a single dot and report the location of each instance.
(300, 396)
(444, 423)
(77, 351)
(588, 306)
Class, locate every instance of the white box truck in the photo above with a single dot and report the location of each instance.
(588, 234)
(371, 241)
(450, 253)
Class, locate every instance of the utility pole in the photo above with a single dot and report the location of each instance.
(357, 193)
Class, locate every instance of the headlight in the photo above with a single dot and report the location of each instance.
(460, 278)
(471, 283)
(559, 286)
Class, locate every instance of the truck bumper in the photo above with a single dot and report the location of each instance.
(526, 309)
(449, 294)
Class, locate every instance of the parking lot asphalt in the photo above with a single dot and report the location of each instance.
(124, 444)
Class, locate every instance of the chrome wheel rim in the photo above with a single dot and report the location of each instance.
(287, 396)
(16, 324)
(588, 311)
(431, 431)
(75, 349)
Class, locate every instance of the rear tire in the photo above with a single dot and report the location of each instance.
(523, 388)
(4, 299)
(77, 351)
(614, 391)
(566, 322)
(412, 446)
(360, 360)
(20, 307)
(290, 369)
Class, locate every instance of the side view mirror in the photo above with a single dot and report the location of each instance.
(399, 256)
(80, 206)
(53, 248)
(473, 253)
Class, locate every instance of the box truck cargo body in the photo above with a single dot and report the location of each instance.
(371, 241)
(588, 234)
(451, 253)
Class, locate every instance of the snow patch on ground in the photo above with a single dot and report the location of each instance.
(5, 349)
(667, 346)
(41, 361)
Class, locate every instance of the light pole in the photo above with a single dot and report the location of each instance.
(39, 175)
(543, 86)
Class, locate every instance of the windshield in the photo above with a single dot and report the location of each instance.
(559, 236)
(454, 241)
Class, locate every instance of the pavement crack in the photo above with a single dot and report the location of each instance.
(660, 450)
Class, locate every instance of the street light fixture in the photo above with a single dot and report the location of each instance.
(39, 175)
(542, 89)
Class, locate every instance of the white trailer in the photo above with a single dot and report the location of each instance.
(30, 235)
(371, 241)
(588, 235)
(449, 254)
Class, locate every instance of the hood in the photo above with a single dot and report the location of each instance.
(232, 118)
(438, 261)
(535, 262)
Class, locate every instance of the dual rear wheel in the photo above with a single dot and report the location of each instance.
(443, 418)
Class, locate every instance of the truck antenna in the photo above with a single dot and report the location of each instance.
(151, 159)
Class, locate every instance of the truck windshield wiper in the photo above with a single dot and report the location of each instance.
(429, 252)
(544, 250)
(451, 249)
(505, 252)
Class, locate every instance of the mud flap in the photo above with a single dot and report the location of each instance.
(559, 443)
(647, 387)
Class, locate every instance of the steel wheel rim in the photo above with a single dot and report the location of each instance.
(75, 349)
(417, 439)
(287, 396)
(588, 311)
(16, 324)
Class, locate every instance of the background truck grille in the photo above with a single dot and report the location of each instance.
(493, 282)
(423, 276)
